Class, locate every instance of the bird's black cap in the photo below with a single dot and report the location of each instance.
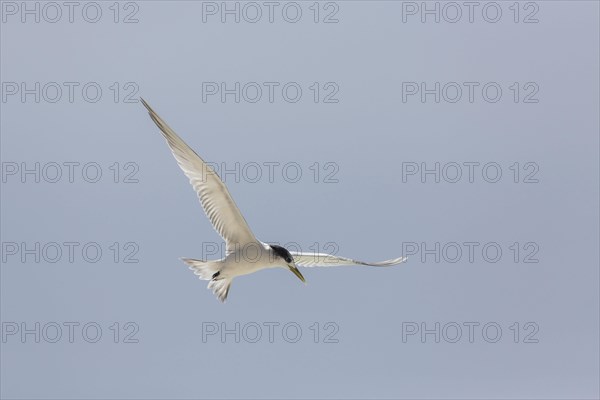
(282, 252)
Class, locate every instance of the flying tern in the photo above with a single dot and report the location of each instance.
(245, 254)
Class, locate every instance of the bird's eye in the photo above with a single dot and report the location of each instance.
(288, 260)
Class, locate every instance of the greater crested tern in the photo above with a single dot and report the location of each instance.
(245, 254)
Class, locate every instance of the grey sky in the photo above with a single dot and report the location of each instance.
(361, 148)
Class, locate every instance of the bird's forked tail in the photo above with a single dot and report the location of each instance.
(209, 271)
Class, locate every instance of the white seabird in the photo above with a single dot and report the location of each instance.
(245, 254)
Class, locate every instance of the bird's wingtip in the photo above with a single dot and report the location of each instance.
(394, 261)
(145, 104)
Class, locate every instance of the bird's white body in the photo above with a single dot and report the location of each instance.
(240, 260)
(248, 259)
(245, 253)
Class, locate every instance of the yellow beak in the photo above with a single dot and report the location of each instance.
(296, 272)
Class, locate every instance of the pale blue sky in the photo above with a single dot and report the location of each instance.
(370, 213)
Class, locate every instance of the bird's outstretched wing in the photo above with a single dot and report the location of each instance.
(215, 199)
(328, 260)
